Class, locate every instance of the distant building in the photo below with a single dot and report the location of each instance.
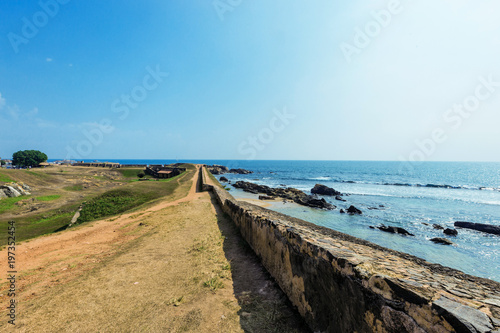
(7, 164)
(98, 164)
(162, 172)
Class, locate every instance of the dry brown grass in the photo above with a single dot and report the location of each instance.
(179, 266)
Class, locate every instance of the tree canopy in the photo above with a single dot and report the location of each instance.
(28, 158)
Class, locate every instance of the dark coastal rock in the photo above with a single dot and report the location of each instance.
(286, 193)
(240, 171)
(437, 227)
(487, 228)
(339, 198)
(324, 190)
(315, 203)
(395, 230)
(439, 240)
(450, 232)
(265, 197)
(217, 169)
(354, 210)
(342, 211)
(224, 179)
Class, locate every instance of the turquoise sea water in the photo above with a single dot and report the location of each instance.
(431, 192)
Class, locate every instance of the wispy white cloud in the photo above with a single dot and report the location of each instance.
(14, 112)
(14, 116)
(49, 59)
(33, 112)
(46, 124)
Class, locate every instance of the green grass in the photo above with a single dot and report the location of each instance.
(117, 201)
(74, 188)
(40, 224)
(66, 216)
(214, 284)
(5, 179)
(110, 203)
(8, 203)
(132, 196)
(130, 173)
(48, 197)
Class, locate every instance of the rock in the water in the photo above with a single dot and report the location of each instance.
(240, 171)
(265, 197)
(437, 227)
(354, 210)
(315, 203)
(339, 198)
(285, 193)
(342, 211)
(324, 190)
(488, 228)
(395, 230)
(450, 232)
(217, 169)
(224, 179)
(439, 240)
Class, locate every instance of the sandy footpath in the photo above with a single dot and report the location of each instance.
(178, 266)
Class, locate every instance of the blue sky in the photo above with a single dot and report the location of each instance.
(231, 79)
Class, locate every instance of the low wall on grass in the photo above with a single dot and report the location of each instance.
(340, 283)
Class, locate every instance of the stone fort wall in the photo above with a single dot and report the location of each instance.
(340, 283)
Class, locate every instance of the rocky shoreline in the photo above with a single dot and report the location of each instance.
(288, 193)
(314, 201)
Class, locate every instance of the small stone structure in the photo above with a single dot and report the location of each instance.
(159, 171)
(341, 283)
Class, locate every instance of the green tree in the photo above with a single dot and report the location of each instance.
(28, 158)
(2, 162)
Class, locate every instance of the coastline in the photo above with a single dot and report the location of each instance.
(415, 209)
(430, 294)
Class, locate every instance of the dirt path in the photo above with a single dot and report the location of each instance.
(177, 266)
(48, 261)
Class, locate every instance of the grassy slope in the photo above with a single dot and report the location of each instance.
(130, 173)
(138, 194)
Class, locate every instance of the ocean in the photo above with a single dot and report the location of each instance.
(412, 198)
